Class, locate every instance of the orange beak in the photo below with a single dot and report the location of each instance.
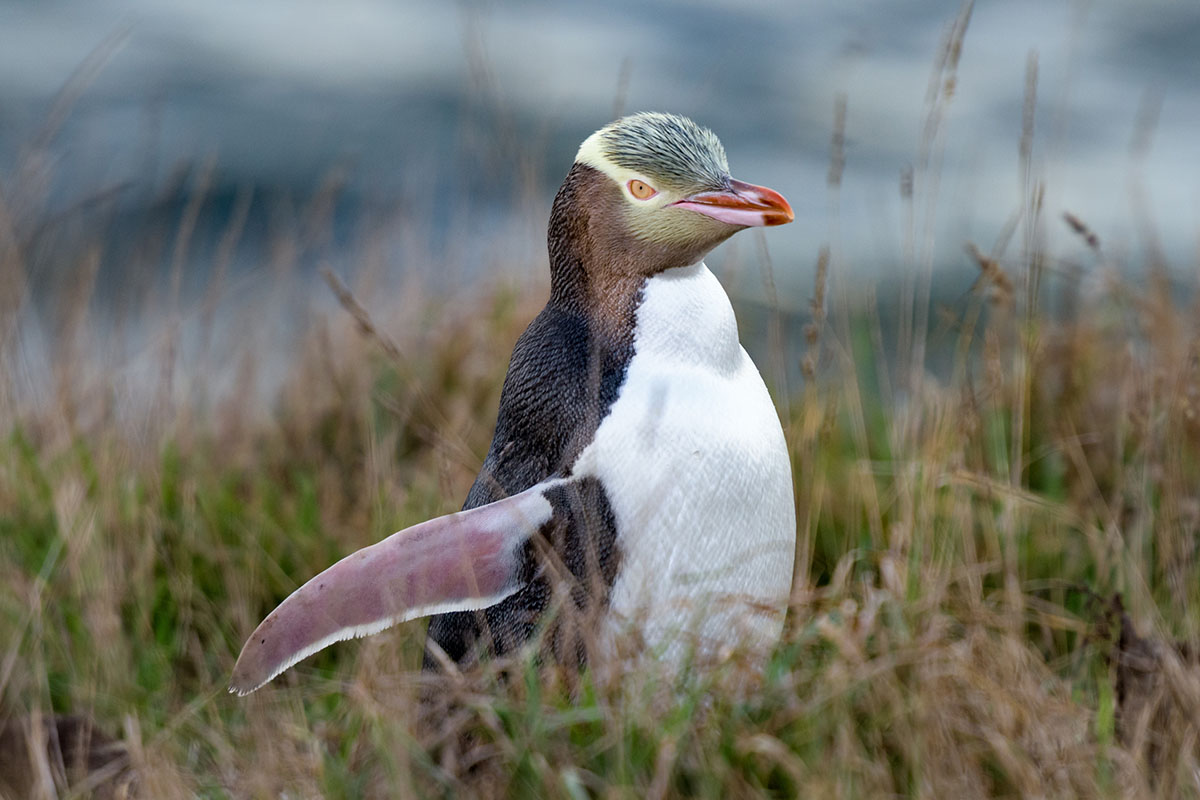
(743, 204)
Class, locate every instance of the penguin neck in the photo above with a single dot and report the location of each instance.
(685, 318)
(587, 278)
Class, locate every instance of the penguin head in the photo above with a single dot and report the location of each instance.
(667, 191)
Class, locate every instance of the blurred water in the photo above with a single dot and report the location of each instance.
(438, 131)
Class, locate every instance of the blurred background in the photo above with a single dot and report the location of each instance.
(192, 165)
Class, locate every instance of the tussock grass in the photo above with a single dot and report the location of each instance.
(950, 633)
(997, 574)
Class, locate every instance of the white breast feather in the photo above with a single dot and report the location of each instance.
(694, 462)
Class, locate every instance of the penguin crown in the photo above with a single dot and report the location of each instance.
(667, 147)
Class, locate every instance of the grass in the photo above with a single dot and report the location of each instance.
(996, 594)
(950, 634)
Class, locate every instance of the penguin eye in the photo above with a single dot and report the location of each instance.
(641, 190)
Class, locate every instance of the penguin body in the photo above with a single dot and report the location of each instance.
(638, 469)
(694, 464)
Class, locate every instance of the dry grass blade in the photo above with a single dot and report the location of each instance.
(993, 280)
(1080, 227)
(812, 330)
(362, 319)
(837, 149)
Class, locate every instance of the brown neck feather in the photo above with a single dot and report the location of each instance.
(597, 265)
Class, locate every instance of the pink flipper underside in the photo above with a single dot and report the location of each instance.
(457, 562)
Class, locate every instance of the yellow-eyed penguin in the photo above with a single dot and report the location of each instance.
(636, 446)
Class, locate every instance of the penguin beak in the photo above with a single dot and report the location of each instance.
(742, 204)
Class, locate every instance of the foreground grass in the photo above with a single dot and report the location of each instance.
(953, 631)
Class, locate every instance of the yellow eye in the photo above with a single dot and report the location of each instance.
(642, 191)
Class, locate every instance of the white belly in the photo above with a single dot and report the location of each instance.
(696, 470)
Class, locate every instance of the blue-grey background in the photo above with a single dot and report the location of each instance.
(428, 136)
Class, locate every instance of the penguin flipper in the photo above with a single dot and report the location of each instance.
(459, 562)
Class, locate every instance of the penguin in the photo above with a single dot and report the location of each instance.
(638, 459)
